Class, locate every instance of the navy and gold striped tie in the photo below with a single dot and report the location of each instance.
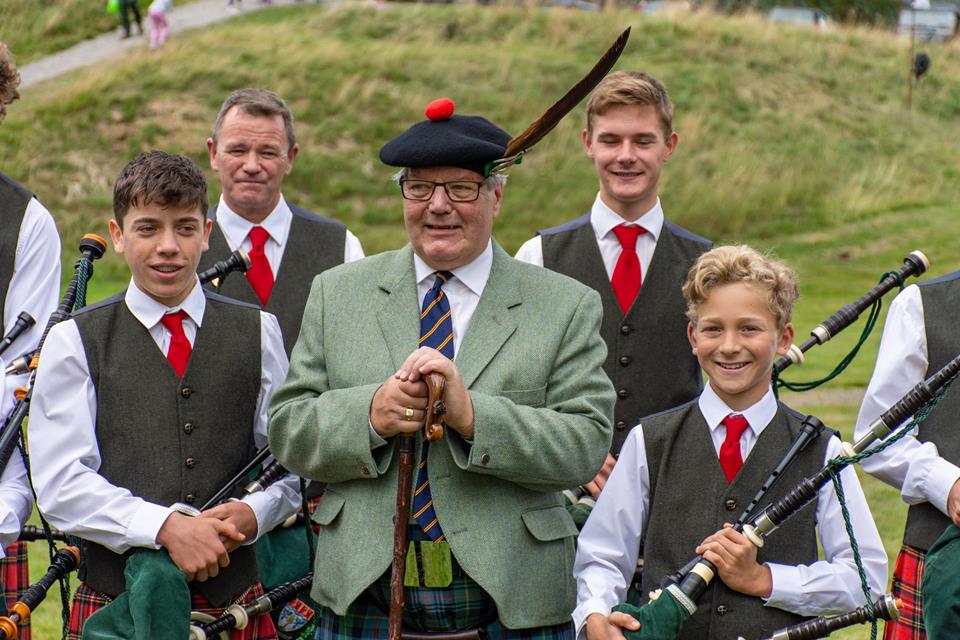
(436, 331)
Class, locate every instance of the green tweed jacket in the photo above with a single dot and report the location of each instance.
(532, 360)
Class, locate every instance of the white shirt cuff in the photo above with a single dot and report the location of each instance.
(787, 587)
(584, 610)
(145, 525)
(940, 478)
(261, 502)
(376, 440)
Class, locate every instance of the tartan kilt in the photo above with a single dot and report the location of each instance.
(86, 601)
(15, 578)
(462, 605)
(907, 577)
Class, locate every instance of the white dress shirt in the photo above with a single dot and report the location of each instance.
(608, 545)
(913, 467)
(235, 229)
(603, 219)
(34, 288)
(65, 454)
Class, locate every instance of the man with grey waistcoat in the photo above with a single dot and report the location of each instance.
(252, 149)
(628, 252)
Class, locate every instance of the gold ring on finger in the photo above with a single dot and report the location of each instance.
(408, 413)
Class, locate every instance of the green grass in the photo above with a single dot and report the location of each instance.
(33, 29)
(791, 140)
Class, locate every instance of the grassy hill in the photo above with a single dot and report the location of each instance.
(792, 140)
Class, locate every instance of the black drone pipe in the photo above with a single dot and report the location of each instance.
(92, 248)
(24, 321)
(913, 265)
(237, 616)
(237, 261)
(886, 608)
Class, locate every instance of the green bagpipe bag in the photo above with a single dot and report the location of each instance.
(155, 606)
(940, 589)
(662, 618)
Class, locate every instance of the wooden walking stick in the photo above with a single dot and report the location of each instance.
(432, 430)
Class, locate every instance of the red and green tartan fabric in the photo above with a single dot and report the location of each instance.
(15, 577)
(906, 586)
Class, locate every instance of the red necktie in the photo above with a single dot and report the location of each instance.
(179, 351)
(626, 274)
(260, 274)
(730, 458)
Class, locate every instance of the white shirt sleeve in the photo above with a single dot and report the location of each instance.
(832, 586)
(531, 251)
(33, 288)
(913, 467)
(352, 251)
(65, 456)
(281, 499)
(609, 544)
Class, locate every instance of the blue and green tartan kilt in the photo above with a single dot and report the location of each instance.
(462, 605)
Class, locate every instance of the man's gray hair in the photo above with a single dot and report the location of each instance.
(490, 182)
(257, 102)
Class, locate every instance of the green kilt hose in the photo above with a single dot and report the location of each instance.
(15, 577)
(87, 601)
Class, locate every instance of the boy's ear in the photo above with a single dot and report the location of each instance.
(785, 339)
(207, 226)
(692, 337)
(116, 235)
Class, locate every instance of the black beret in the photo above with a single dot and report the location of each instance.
(446, 140)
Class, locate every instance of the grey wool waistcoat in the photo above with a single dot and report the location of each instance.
(941, 301)
(14, 198)
(649, 359)
(690, 499)
(314, 245)
(170, 440)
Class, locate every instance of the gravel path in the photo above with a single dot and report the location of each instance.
(103, 47)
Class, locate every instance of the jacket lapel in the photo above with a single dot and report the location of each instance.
(398, 315)
(494, 321)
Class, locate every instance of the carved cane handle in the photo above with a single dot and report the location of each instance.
(433, 423)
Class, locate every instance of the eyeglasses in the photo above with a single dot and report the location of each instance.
(458, 191)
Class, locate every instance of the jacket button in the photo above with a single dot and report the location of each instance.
(621, 425)
(625, 329)
(186, 392)
(622, 393)
(189, 463)
(188, 427)
(722, 610)
(365, 470)
(624, 361)
(190, 499)
(485, 458)
(730, 504)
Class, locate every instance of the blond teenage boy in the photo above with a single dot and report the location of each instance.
(630, 253)
(685, 473)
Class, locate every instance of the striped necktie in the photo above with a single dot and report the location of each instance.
(436, 331)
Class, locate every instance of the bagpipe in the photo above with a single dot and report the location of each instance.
(215, 275)
(92, 248)
(64, 561)
(915, 264)
(23, 322)
(886, 608)
(238, 617)
(684, 593)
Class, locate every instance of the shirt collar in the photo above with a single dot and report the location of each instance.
(604, 219)
(236, 228)
(473, 274)
(759, 415)
(148, 311)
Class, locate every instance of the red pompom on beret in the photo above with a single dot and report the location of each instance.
(439, 109)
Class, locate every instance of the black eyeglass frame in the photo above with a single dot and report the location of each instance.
(477, 183)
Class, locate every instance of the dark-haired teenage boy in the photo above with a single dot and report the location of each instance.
(146, 403)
